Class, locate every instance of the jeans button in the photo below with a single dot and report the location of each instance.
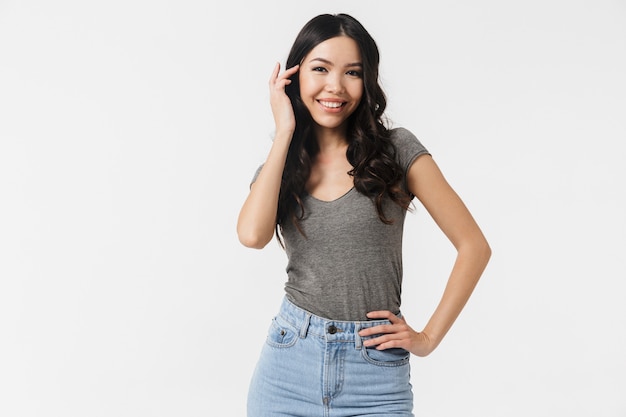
(332, 329)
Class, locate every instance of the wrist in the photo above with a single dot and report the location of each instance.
(432, 338)
(283, 135)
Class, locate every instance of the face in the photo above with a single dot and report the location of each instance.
(331, 83)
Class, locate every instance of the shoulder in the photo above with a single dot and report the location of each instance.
(397, 133)
(402, 137)
(407, 146)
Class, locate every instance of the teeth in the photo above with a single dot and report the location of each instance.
(331, 104)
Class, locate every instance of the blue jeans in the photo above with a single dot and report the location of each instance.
(311, 366)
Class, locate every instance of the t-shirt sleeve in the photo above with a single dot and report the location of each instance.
(256, 174)
(408, 148)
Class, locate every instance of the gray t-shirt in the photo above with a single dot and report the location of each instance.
(350, 262)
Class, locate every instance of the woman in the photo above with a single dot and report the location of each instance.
(335, 188)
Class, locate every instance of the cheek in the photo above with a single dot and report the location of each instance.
(307, 86)
(358, 94)
(357, 89)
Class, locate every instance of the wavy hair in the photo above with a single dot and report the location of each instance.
(370, 151)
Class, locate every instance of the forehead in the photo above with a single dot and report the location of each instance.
(338, 50)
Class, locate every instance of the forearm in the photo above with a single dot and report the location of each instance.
(257, 218)
(470, 263)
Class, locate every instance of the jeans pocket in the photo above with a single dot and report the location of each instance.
(387, 357)
(281, 334)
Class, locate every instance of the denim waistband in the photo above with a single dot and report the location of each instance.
(308, 324)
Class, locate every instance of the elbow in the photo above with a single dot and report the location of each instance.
(252, 240)
(252, 243)
(253, 235)
(484, 251)
(477, 249)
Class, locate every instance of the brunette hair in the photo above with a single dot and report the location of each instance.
(370, 151)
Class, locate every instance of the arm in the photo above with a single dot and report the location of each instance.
(257, 218)
(428, 184)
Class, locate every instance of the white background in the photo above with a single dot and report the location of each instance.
(129, 131)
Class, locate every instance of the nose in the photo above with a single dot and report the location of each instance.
(334, 83)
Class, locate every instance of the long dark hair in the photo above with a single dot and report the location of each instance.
(370, 152)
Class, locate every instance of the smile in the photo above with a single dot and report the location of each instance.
(331, 104)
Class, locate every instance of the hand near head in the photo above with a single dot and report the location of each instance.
(398, 334)
(282, 108)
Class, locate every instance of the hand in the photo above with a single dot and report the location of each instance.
(398, 334)
(282, 108)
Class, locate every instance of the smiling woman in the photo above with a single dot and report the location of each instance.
(330, 83)
(335, 189)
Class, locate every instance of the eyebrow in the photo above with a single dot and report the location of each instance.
(325, 61)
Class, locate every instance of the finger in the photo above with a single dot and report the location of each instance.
(283, 79)
(391, 344)
(380, 329)
(289, 72)
(384, 314)
(278, 82)
(275, 72)
(376, 340)
(386, 341)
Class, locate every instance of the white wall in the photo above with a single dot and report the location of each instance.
(129, 131)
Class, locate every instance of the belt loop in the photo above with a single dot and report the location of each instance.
(357, 338)
(305, 325)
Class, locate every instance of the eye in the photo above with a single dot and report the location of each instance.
(354, 73)
(319, 69)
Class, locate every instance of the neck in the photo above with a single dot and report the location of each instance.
(330, 140)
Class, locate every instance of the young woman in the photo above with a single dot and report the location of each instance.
(335, 189)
